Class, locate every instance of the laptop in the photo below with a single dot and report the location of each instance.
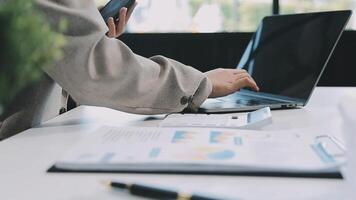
(286, 57)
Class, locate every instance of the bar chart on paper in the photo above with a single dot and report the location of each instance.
(191, 149)
(183, 137)
(218, 137)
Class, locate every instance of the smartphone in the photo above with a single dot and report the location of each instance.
(112, 8)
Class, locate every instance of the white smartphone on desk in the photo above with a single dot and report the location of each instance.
(250, 120)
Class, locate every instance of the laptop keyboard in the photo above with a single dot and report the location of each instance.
(251, 101)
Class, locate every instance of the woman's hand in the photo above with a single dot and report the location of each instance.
(118, 28)
(228, 81)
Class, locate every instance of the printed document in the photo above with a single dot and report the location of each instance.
(197, 150)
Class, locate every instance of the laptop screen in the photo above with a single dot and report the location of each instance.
(288, 53)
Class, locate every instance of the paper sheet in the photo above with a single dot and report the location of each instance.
(168, 148)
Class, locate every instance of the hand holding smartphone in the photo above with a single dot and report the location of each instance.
(112, 8)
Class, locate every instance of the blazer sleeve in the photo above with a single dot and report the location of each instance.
(101, 71)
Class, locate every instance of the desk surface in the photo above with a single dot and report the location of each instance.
(26, 157)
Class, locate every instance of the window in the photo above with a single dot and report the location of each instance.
(299, 6)
(197, 15)
(219, 15)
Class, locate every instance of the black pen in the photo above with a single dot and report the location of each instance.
(156, 192)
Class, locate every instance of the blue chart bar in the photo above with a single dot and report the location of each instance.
(107, 157)
(155, 152)
(181, 137)
(214, 137)
(217, 137)
(238, 141)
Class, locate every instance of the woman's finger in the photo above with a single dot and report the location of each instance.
(112, 27)
(122, 22)
(253, 84)
(238, 71)
(241, 76)
(246, 82)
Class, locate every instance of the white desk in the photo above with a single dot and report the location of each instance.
(25, 158)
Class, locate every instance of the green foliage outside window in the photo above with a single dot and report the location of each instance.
(238, 15)
(27, 45)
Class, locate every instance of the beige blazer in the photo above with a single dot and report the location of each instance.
(101, 71)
